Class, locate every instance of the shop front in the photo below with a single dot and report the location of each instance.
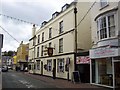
(83, 66)
(105, 67)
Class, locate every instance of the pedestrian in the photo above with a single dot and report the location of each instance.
(53, 72)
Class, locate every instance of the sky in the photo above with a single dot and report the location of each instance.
(33, 11)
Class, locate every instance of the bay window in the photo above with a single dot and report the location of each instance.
(106, 27)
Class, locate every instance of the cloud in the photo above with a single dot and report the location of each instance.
(32, 11)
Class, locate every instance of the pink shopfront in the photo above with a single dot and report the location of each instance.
(105, 66)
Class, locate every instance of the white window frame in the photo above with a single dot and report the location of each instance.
(61, 27)
(107, 27)
(38, 39)
(50, 33)
(38, 64)
(61, 45)
(42, 36)
(49, 65)
(38, 51)
(103, 3)
(60, 65)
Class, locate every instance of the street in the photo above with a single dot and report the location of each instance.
(12, 79)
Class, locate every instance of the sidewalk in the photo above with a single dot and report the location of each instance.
(60, 83)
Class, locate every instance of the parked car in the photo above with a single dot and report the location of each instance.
(4, 68)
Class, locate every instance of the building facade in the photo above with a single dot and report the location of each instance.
(22, 56)
(105, 53)
(54, 44)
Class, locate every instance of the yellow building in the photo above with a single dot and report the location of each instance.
(22, 55)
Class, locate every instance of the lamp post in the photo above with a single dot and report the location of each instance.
(75, 12)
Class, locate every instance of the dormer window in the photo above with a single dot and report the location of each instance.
(65, 7)
(44, 23)
(55, 15)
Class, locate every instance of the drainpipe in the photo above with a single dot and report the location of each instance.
(75, 12)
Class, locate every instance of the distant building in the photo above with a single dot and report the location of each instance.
(22, 56)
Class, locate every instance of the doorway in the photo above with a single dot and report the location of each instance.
(41, 67)
(117, 73)
(54, 65)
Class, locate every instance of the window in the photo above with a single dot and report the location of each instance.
(103, 3)
(61, 27)
(42, 36)
(38, 65)
(61, 45)
(49, 65)
(106, 27)
(50, 32)
(42, 51)
(60, 65)
(37, 51)
(50, 44)
(38, 39)
(34, 42)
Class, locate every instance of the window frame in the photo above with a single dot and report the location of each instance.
(38, 51)
(49, 65)
(61, 45)
(38, 65)
(38, 39)
(50, 32)
(103, 3)
(107, 26)
(61, 27)
(42, 50)
(42, 36)
(60, 65)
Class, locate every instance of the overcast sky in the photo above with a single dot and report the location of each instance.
(35, 11)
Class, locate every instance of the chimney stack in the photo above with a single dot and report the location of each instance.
(33, 30)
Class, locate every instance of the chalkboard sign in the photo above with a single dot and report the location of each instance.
(75, 76)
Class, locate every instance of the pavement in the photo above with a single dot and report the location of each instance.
(61, 83)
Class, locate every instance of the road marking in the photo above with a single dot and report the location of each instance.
(27, 84)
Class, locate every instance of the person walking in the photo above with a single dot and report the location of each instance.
(53, 72)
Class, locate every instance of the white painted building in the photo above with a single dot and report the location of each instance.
(105, 53)
(59, 34)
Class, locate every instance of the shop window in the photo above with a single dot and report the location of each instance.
(38, 65)
(60, 65)
(103, 72)
(49, 65)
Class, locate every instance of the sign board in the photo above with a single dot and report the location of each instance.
(1, 40)
(83, 60)
(50, 51)
(103, 52)
(75, 76)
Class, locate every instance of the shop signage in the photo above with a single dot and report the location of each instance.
(50, 51)
(103, 52)
(83, 60)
